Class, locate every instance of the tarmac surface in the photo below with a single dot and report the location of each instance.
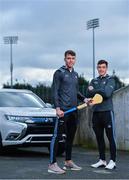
(32, 163)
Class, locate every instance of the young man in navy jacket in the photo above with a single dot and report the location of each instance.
(65, 95)
(103, 115)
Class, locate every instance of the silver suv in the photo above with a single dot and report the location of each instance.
(26, 120)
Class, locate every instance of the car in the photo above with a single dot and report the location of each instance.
(25, 120)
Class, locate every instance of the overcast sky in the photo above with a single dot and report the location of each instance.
(47, 28)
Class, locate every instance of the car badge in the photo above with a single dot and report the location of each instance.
(29, 121)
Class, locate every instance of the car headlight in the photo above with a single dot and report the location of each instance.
(18, 118)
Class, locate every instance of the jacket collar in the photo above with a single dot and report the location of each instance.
(64, 67)
(105, 76)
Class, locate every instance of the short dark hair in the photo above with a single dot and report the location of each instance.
(102, 61)
(71, 52)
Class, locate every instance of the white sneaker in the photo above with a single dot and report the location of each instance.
(54, 168)
(111, 165)
(101, 163)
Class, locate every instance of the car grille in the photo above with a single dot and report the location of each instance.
(43, 120)
(40, 129)
(42, 126)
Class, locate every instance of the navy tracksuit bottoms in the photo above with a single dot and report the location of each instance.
(70, 127)
(105, 120)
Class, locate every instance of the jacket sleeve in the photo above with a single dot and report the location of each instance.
(106, 92)
(55, 88)
(108, 89)
(80, 96)
(90, 93)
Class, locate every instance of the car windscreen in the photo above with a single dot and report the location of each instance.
(20, 99)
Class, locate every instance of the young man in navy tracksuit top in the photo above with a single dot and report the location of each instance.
(103, 116)
(65, 95)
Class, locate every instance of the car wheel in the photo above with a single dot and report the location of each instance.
(1, 146)
(60, 150)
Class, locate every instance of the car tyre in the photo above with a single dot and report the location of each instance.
(1, 146)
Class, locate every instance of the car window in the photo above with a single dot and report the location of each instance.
(19, 99)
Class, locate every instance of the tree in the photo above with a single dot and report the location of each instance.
(43, 91)
(83, 84)
(118, 82)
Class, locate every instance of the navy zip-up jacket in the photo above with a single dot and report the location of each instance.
(104, 86)
(65, 88)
